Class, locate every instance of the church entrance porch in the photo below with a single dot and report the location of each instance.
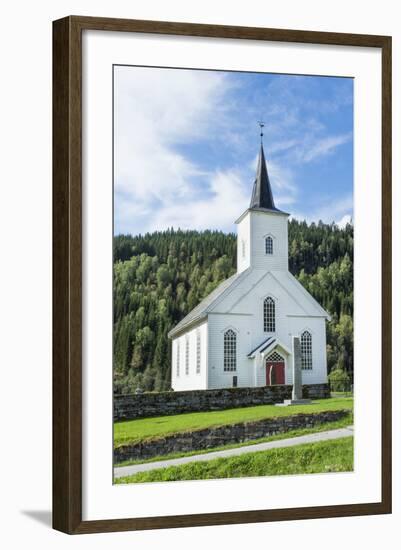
(275, 369)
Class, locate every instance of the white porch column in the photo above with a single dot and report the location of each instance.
(258, 365)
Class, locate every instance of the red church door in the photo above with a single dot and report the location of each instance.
(275, 369)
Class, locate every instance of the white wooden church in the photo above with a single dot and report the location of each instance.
(241, 334)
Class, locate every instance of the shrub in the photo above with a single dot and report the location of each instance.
(339, 380)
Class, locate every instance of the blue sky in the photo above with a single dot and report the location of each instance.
(186, 145)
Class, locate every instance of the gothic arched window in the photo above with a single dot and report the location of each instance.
(306, 350)
(198, 351)
(230, 350)
(187, 354)
(269, 245)
(269, 315)
(178, 358)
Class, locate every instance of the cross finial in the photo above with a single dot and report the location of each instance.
(261, 125)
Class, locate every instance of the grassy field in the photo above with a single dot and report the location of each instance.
(320, 457)
(344, 422)
(133, 431)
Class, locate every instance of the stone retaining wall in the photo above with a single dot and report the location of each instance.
(128, 407)
(214, 437)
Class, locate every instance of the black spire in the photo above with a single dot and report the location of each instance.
(262, 196)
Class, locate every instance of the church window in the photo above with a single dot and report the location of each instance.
(178, 358)
(243, 248)
(198, 351)
(269, 315)
(230, 350)
(306, 350)
(269, 245)
(187, 354)
(275, 357)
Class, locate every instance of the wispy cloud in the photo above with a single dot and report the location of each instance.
(186, 143)
(330, 210)
(324, 147)
(227, 199)
(156, 111)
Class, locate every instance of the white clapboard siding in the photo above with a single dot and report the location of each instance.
(275, 225)
(192, 380)
(250, 333)
(218, 324)
(240, 308)
(243, 243)
(253, 228)
(317, 327)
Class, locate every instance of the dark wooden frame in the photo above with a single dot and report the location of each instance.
(67, 274)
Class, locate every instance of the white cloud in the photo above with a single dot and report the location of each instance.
(308, 146)
(229, 197)
(160, 181)
(329, 211)
(156, 110)
(297, 131)
(347, 218)
(285, 145)
(323, 147)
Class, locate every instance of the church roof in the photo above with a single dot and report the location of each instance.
(262, 195)
(268, 344)
(261, 347)
(200, 311)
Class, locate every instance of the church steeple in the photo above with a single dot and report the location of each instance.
(262, 241)
(262, 196)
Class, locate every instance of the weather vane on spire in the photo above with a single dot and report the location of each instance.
(262, 125)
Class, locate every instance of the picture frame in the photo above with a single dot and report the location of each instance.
(68, 261)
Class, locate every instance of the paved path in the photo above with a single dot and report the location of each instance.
(280, 443)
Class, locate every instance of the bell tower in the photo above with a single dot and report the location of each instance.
(262, 234)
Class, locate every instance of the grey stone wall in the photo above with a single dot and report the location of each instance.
(129, 407)
(214, 437)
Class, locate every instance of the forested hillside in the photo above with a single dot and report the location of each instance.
(160, 277)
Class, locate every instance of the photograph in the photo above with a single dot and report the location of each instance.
(199, 209)
(233, 257)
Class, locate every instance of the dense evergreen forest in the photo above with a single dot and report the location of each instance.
(159, 277)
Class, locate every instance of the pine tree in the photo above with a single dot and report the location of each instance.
(159, 277)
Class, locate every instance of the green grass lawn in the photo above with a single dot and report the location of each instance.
(312, 458)
(344, 422)
(133, 431)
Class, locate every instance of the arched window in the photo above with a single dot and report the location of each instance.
(275, 357)
(178, 358)
(198, 351)
(187, 354)
(269, 315)
(230, 350)
(269, 245)
(306, 350)
(243, 244)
